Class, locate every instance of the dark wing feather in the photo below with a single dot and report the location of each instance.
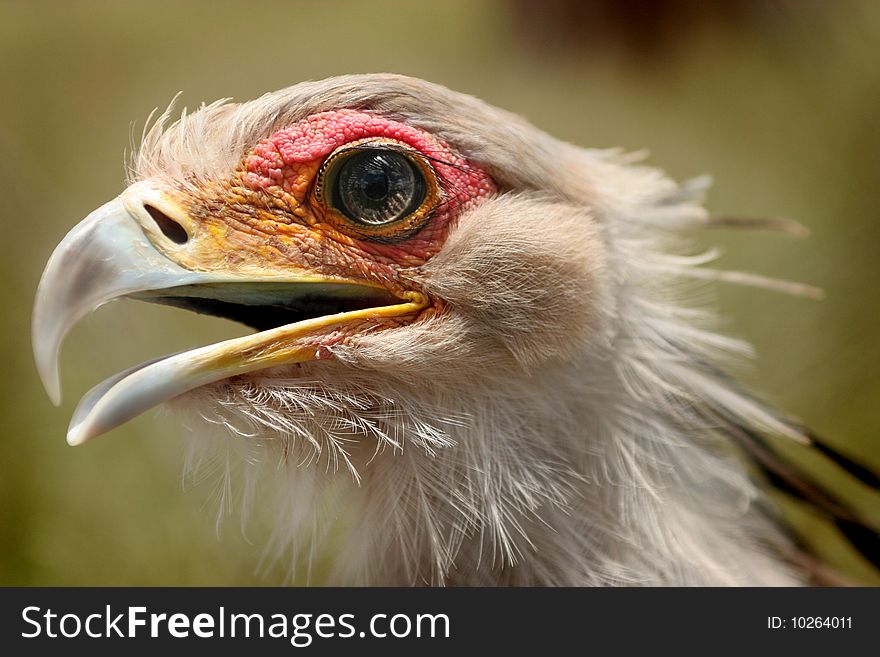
(791, 479)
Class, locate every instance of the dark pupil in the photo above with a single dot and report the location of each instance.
(376, 186)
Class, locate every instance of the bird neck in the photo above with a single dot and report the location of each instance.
(559, 478)
(571, 475)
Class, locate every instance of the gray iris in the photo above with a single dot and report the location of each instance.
(378, 186)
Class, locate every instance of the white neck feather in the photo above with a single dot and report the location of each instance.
(530, 491)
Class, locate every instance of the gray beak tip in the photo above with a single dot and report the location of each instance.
(45, 348)
(54, 395)
(75, 435)
(88, 268)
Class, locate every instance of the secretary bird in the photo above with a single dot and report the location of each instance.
(473, 347)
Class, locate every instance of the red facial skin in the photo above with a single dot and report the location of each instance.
(265, 218)
(284, 167)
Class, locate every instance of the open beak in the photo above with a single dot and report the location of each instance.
(112, 253)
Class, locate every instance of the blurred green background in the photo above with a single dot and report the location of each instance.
(778, 100)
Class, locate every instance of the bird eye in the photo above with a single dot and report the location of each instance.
(381, 189)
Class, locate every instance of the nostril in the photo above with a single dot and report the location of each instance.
(170, 228)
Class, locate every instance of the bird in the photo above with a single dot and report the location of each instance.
(477, 358)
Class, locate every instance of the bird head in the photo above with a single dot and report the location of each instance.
(378, 220)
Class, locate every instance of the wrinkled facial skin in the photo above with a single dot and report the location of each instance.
(314, 239)
(267, 217)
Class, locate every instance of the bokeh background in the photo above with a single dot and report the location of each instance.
(778, 100)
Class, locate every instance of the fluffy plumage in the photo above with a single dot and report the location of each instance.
(564, 421)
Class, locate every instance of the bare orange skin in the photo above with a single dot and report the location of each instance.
(266, 216)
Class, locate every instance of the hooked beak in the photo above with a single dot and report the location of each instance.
(112, 253)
